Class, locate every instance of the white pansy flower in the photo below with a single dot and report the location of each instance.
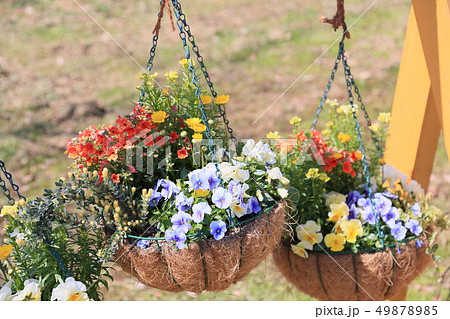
(240, 175)
(31, 291)
(5, 292)
(415, 188)
(238, 210)
(226, 170)
(70, 290)
(283, 192)
(284, 181)
(274, 173)
(334, 198)
(259, 195)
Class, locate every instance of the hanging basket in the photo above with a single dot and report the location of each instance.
(207, 265)
(375, 275)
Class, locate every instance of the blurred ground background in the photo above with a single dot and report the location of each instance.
(60, 72)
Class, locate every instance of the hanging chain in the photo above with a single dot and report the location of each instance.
(5, 189)
(200, 60)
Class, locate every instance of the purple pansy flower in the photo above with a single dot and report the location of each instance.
(369, 215)
(419, 243)
(182, 203)
(389, 195)
(398, 231)
(199, 180)
(352, 212)
(414, 227)
(143, 243)
(352, 198)
(168, 188)
(218, 229)
(200, 209)
(181, 221)
(213, 179)
(221, 198)
(415, 209)
(382, 203)
(391, 216)
(253, 205)
(176, 236)
(154, 199)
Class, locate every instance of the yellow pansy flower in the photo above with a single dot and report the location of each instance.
(300, 248)
(197, 136)
(344, 138)
(335, 241)
(312, 173)
(334, 198)
(338, 211)
(159, 116)
(273, 135)
(324, 177)
(295, 120)
(352, 229)
(201, 193)
(172, 75)
(9, 211)
(309, 232)
(206, 99)
(222, 99)
(5, 251)
(384, 117)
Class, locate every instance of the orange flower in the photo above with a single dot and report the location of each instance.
(183, 153)
(347, 168)
(115, 178)
(356, 156)
(222, 99)
(344, 138)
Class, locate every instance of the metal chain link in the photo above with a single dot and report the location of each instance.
(5, 189)
(187, 29)
(152, 53)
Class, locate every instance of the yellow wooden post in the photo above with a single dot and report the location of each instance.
(421, 107)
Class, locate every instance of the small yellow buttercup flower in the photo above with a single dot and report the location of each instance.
(344, 138)
(273, 135)
(324, 177)
(332, 102)
(222, 99)
(375, 127)
(9, 211)
(329, 124)
(335, 241)
(300, 248)
(326, 132)
(295, 120)
(5, 251)
(159, 116)
(352, 229)
(384, 117)
(172, 75)
(338, 211)
(206, 99)
(312, 173)
(185, 62)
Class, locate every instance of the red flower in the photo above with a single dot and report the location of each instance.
(347, 168)
(173, 137)
(115, 178)
(183, 153)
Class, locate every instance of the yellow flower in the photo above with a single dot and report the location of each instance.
(332, 102)
(199, 128)
(312, 173)
(5, 251)
(326, 132)
(9, 211)
(159, 116)
(172, 75)
(273, 135)
(206, 99)
(222, 99)
(165, 91)
(344, 138)
(329, 124)
(352, 229)
(337, 156)
(346, 109)
(375, 127)
(335, 241)
(105, 173)
(300, 248)
(201, 193)
(295, 120)
(309, 232)
(384, 117)
(193, 121)
(337, 212)
(185, 62)
(197, 136)
(334, 198)
(324, 177)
